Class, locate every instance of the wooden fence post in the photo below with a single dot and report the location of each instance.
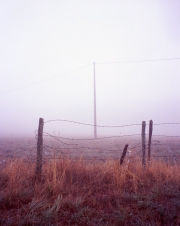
(143, 144)
(39, 148)
(149, 141)
(123, 154)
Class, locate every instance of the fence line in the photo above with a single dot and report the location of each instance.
(100, 138)
(112, 149)
(101, 149)
(133, 124)
(87, 124)
(80, 147)
(166, 123)
(91, 148)
(146, 145)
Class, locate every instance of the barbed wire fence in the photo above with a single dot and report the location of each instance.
(99, 149)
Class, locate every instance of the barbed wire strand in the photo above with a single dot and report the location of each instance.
(156, 135)
(87, 124)
(166, 144)
(166, 123)
(81, 147)
(131, 156)
(127, 135)
(100, 138)
(128, 125)
(56, 138)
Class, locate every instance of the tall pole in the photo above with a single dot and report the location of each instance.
(95, 128)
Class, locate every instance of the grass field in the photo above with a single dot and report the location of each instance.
(100, 149)
(80, 193)
(74, 191)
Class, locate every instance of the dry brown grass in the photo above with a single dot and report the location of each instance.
(81, 193)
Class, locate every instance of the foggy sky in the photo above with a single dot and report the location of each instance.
(45, 39)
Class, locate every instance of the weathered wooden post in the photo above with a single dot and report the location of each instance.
(149, 141)
(39, 148)
(123, 154)
(143, 144)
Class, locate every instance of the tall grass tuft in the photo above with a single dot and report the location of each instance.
(89, 193)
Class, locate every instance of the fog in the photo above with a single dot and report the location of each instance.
(47, 50)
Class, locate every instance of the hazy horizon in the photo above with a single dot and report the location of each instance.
(45, 39)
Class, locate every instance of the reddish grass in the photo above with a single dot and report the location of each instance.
(80, 193)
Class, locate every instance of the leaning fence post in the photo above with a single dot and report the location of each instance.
(123, 154)
(149, 141)
(143, 143)
(39, 148)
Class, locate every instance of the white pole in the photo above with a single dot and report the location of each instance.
(95, 128)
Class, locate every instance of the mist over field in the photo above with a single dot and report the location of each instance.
(24, 123)
(42, 43)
